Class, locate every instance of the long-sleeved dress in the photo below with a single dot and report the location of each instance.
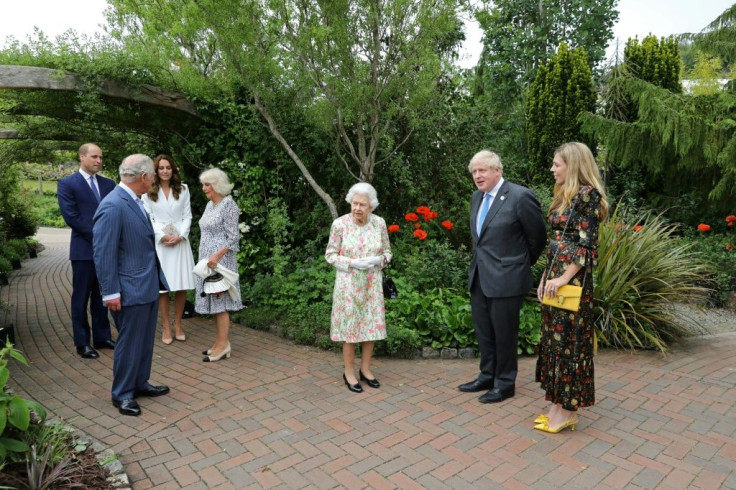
(219, 228)
(565, 362)
(177, 262)
(358, 313)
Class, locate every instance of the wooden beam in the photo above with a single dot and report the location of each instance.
(8, 134)
(36, 78)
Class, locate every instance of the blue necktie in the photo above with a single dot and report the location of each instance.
(484, 210)
(94, 188)
(140, 205)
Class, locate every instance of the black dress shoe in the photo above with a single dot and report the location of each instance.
(476, 385)
(497, 395)
(87, 352)
(105, 344)
(356, 388)
(373, 383)
(127, 407)
(151, 390)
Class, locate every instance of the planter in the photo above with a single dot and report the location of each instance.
(32, 252)
(15, 263)
(4, 279)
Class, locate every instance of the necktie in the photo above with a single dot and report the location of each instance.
(140, 206)
(484, 210)
(94, 188)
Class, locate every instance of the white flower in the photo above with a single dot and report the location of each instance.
(243, 228)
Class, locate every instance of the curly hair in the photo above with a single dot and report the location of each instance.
(175, 178)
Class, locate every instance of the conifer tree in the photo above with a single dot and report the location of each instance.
(561, 91)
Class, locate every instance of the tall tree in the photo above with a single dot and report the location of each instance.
(356, 67)
(519, 36)
(561, 91)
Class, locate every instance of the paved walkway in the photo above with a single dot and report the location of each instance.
(278, 415)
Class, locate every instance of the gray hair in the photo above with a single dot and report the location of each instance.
(134, 166)
(218, 180)
(486, 158)
(364, 189)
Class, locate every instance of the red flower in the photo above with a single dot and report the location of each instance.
(421, 234)
(731, 219)
(702, 227)
(417, 226)
(393, 228)
(423, 210)
(729, 246)
(637, 227)
(411, 217)
(447, 224)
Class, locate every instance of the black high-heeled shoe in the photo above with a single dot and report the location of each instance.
(373, 383)
(356, 388)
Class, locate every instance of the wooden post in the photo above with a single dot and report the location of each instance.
(40, 185)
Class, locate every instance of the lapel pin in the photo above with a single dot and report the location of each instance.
(503, 197)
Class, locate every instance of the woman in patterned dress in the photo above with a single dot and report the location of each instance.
(168, 205)
(565, 363)
(359, 249)
(218, 243)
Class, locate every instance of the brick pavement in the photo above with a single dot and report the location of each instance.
(278, 414)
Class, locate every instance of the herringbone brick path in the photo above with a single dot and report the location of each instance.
(278, 415)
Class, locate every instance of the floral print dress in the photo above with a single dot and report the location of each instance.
(219, 228)
(358, 313)
(565, 363)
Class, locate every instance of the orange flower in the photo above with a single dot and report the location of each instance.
(417, 226)
(702, 227)
(729, 246)
(447, 224)
(731, 219)
(393, 228)
(411, 217)
(421, 234)
(423, 210)
(637, 227)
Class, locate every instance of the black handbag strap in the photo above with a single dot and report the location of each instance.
(567, 222)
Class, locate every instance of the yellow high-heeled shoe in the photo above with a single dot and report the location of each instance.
(542, 418)
(225, 353)
(569, 422)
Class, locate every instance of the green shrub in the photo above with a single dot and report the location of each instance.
(400, 342)
(718, 251)
(257, 318)
(47, 210)
(643, 269)
(16, 413)
(429, 265)
(307, 324)
(530, 324)
(19, 246)
(5, 265)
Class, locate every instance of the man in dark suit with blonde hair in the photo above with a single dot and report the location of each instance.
(508, 233)
(79, 195)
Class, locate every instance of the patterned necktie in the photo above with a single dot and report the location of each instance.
(140, 205)
(94, 188)
(484, 210)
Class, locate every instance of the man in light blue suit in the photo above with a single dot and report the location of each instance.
(130, 280)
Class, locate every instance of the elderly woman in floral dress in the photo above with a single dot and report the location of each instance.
(359, 249)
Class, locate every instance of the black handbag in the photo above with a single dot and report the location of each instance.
(389, 286)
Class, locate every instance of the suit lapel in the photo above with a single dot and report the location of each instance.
(130, 202)
(498, 201)
(84, 182)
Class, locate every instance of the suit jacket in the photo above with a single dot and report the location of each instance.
(78, 205)
(125, 252)
(511, 239)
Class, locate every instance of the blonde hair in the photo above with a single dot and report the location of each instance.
(486, 158)
(581, 170)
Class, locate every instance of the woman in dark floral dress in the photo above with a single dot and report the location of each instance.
(565, 363)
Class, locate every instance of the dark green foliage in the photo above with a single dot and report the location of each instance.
(5, 265)
(656, 61)
(530, 324)
(712, 248)
(562, 90)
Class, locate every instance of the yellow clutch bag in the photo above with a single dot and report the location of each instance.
(568, 298)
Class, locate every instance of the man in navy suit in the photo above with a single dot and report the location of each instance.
(508, 235)
(79, 195)
(130, 280)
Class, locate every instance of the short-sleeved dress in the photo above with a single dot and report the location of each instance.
(177, 262)
(219, 228)
(358, 313)
(565, 363)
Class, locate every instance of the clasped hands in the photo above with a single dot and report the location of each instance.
(367, 262)
(171, 240)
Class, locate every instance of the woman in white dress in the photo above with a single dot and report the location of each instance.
(168, 205)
